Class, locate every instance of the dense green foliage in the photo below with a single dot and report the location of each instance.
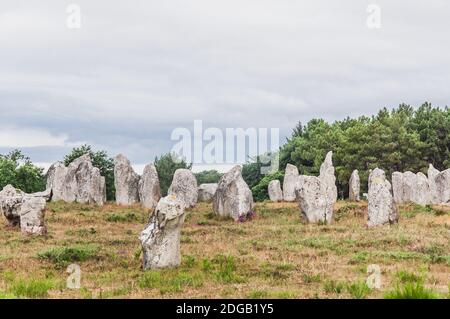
(101, 160)
(211, 176)
(398, 140)
(16, 169)
(166, 165)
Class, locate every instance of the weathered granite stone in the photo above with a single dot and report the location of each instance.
(382, 209)
(56, 175)
(290, 183)
(354, 186)
(24, 210)
(206, 192)
(83, 182)
(443, 186)
(411, 188)
(161, 237)
(233, 197)
(126, 181)
(274, 190)
(149, 188)
(79, 182)
(397, 187)
(184, 186)
(328, 178)
(317, 195)
(314, 203)
(435, 197)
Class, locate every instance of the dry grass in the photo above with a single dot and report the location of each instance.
(273, 256)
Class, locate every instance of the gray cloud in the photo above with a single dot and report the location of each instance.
(137, 70)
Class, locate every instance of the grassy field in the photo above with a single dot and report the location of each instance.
(273, 256)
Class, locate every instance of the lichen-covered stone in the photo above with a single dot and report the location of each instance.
(354, 186)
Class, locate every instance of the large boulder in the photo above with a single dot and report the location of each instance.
(354, 186)
(290, 183)
(443, 186)
(274, 190)
(149, 188)
(206, 192)
(24, 210)
(233, 197)
(382, 209)
(126, 181)
(184, 186)
(161, 237)
(432, 173)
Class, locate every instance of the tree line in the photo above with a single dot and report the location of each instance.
(399, 139)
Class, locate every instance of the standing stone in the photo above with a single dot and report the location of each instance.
(397, 187)
(206, 192)
(274, 190)
(126, 181)
(24, 210)
(313, 201)
(290, 183)
(317, 195)
(443, 186)
(149, 189)
(184, 186)
(354, 186)
(56, 175)
(422, 195)
(233, 197)
(328, 178)
(83, 183)
(161, 237)
(382, 209)
(434, 194)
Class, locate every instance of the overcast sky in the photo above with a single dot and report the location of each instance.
(138, 69)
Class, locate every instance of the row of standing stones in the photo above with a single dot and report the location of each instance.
(231, 197)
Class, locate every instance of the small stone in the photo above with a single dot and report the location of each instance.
(274, 190)
(206, 192)
(290, 183)
(354, 186)
(149, 188)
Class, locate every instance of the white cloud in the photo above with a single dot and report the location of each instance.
(28, 137)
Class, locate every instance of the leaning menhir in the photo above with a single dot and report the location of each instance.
(161, 237)
(233, 197)
(382, 208)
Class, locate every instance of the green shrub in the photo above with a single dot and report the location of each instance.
(63, 256)
(358, 289)
(411, 290)
(332, 286)
(31, 289)
(128, 217)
